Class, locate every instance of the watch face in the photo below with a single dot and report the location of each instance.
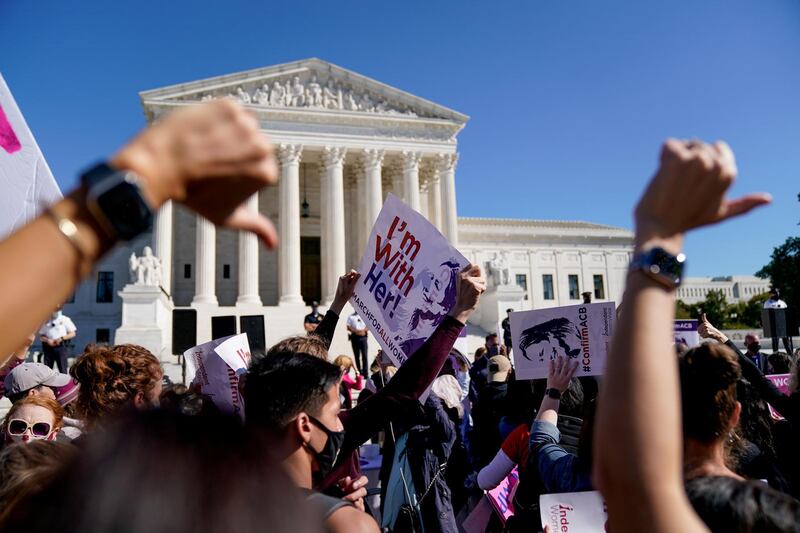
(125, 210)
(667, 265)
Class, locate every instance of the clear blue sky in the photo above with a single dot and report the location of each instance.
(569, 100)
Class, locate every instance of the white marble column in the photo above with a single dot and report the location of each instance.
(248, 262)
(162, 244)
(205, 263)
(360, 195)
(289, 248)
(410, 165)
(333, 263)
(447, 175)
(395, 173)
(372, 160)
(435, 200)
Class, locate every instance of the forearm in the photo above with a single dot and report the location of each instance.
(548, 411)
(496, 471)
(40, 268)
(638, 437)
(419, 370)
(408, 384)
(765, 387)
(327, 327)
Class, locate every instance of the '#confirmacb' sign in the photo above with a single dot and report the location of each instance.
(408, 280)
(581, 332)
(686, 333)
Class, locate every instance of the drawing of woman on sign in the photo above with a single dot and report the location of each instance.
(551, 338)
(431, 298)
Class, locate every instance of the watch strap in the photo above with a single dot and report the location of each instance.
(553, 393)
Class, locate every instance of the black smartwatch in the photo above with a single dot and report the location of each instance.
(115, 200)
(553, 393)
(660, 266)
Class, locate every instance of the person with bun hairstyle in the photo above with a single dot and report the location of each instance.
(710, 412)
(112, 378)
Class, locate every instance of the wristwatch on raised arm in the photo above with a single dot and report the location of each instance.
(553, 393)
(660, 266)
(115, 199)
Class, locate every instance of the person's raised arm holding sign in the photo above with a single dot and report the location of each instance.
(210, 157)
(638, 444)
(411, 380)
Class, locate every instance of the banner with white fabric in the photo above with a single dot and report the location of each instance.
(26, 181)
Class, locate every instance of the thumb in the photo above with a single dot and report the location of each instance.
(740, 206)
(246, 220)
(703, 318)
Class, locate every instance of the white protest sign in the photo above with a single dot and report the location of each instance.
(685, 332)
(581, 332)
(215, 367)
(574, 512)
(235, 351)
(408, 280)
(25, 179)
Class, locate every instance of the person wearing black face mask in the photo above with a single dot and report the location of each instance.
(292, 402)
(753, 345)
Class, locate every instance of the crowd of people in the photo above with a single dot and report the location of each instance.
(674, 439)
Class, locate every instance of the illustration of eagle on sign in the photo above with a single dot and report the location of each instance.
(551, 338)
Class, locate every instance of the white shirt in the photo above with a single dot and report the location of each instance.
(354, 321)
(57, 327)
(775, 304)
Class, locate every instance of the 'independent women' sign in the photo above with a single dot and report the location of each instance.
(408, 280)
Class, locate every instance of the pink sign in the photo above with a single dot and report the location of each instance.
(781, 382)
(502, 496)
(8, 139)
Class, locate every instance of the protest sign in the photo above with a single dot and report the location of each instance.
(685, 332)
(216, 366)
(408, 280)
(781, 382)
(25, 179)
(581, 332)
(502, 496)
(574, 512)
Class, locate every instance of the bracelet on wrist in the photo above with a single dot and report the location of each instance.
(69, 229)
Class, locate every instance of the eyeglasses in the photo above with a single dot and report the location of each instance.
(18, 426)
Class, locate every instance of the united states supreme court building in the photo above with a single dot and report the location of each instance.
(344, 141)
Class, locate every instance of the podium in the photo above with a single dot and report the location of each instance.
(778, 324)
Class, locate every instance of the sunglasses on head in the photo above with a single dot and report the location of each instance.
(18, 426)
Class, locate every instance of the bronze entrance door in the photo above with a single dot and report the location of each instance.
(310, 269)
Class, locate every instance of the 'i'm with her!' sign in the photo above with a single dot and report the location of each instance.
(408, 280)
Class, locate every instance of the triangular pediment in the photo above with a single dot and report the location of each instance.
(312, 85)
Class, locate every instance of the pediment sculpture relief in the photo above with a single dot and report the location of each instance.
(313, 93)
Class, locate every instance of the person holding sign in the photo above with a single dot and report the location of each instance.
(638, 445)
(413, 378)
